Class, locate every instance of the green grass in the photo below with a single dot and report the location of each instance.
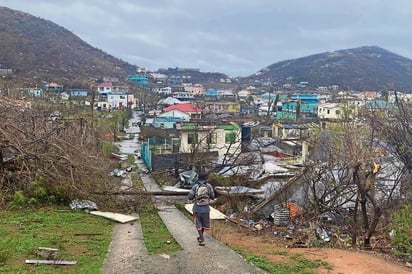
(157, 237)
(293, 264)
(79, 236)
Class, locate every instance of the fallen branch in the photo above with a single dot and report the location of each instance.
(154, 193)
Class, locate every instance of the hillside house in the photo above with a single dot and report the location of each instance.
(105, 88)
(121, 99)
(291, 130)
(76, 92)
(227, 94)
(35, 92)
(182, 116)
(333, 111)
(221, 107)
(196, 90)
(64, 96)
(102, 105)
(182, 95)
(163, 90)
(243, 95)
(53, 87)
(212, 94)
(367, 95)
(140, 79)
(165, 122)
(224, 139)
(291, 110)
(194, 111)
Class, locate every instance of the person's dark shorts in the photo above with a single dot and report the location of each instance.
(202, 220)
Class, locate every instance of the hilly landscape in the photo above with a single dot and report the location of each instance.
(363, 68)
(37, 49)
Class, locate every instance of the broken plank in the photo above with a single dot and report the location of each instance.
(154, 193)
(118, 217)
(214, 213)
(54, 262)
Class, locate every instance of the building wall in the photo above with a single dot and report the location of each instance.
(116, 101)
(219, 142)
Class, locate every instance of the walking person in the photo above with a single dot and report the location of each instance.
(201, 193)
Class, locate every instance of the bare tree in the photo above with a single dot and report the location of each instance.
(40, 144)
(346, 164)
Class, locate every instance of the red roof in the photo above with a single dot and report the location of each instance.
(106, 84)
(184, 107)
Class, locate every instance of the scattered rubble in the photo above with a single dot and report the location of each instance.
(83, 204)
(47, 253)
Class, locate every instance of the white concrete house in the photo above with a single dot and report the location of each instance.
(331, 111)
(121, 99)
(225, 139)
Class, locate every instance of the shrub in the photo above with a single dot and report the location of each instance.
(19, 199)
(402, 226)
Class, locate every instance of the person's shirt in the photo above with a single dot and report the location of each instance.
(192, 196)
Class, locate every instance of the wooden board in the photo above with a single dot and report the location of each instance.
(175, 189)
(50, 262)
(118, 217)
(238, 191)
(214, 213)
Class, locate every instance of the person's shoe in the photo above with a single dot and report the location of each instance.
(198, 240)
(201, 243)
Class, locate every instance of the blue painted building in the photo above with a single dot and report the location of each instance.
(306, 98)
(212, 93)
(79, 92)
(140, 79)
(288, 110)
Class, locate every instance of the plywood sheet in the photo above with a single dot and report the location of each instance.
(214, 213)
(118, 217)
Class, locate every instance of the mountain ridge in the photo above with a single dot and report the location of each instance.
(38, 51)
(366, 67)
(35, 48)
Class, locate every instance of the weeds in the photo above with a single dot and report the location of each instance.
(294, 264)
(157, 237)
(402, 228)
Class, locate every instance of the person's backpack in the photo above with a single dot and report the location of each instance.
(202, 194)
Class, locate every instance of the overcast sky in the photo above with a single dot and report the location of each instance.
(236, 37)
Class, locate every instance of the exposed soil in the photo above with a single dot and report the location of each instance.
(128, 255)
(274, 248)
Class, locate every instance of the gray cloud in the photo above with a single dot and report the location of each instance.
(236, 37)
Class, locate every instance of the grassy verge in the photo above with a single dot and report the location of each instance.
(157, 237)
(295, 263)
(79, 237)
